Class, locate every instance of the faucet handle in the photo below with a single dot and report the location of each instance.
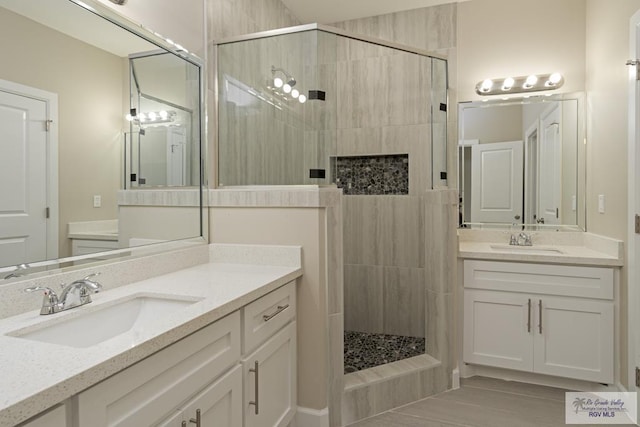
(514, 240)
(91, 275)
(49, 300)
(47, 290)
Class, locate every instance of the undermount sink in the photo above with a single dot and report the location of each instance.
(532, 250)
(85, 329)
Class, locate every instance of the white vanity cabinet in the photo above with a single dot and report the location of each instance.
(152, 391)
(270, 370)
(239, 370)
(56, 417)
(548, 319)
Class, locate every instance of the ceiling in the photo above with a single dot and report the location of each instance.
(331, 11)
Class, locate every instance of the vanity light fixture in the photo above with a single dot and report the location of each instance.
(521, 84)
(282, 86)
(152, 117)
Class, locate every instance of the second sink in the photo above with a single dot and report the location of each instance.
(532, 250)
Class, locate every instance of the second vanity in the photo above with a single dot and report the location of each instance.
(215, 341)
(549, 309)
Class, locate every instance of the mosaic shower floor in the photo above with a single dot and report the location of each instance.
(365, 350)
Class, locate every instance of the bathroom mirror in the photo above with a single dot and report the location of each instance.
(522, 163)
(71, 158)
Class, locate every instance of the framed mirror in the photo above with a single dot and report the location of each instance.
(521, 162)
(92, 108)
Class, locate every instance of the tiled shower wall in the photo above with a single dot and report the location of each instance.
(385, 108)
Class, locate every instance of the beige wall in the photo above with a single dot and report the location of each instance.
(90, 115)
(502, 38)
(607, 119)
(305, 227)
(497, 124)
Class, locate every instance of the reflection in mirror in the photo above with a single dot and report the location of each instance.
(521, 163)
(66, 147)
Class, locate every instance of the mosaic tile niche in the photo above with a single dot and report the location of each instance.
(372, 175)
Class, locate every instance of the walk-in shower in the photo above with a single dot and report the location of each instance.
(315, 105)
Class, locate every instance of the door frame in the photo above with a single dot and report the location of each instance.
(633, 249)
(51, 101)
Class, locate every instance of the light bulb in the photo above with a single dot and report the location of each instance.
(302, 99)
(486, 85)
(531, 80)
(555, 78)
(164, 115)
(129, 117)
(142, 117)
(508, 83)
(286, 88)
(278, 82)
(152, 116)
(295, 93)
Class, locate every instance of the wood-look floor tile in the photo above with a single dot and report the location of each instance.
(391, 419)
(528, 408)
(515, 387)
(462, 413)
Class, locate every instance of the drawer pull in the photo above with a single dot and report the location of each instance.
(540, 317)
(279, 310)
(197, 420)
(255, 370)
(529, 317)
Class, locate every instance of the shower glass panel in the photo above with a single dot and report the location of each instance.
(276, 110)
(439, 120)
(165, 123)
(374, 123)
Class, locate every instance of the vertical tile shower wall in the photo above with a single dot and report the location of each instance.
(384, 109)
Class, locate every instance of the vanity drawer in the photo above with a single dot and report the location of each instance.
(151, 389)
(267, 315)
(549, 279)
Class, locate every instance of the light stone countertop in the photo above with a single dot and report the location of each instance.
(572, 248)
(36, 375)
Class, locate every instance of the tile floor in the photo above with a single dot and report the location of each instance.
(364, 350)
(480, 402)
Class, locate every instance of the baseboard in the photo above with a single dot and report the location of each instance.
(455, 379)
(306, 417)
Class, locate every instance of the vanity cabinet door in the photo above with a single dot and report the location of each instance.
(273, 402)
(155, 388)
(575, 338)
(219, 404)
(498, 329)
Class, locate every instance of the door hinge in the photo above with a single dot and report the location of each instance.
(637, 377)
(637, 224)
(635, 63)
(557, 213)
(48, 124)
(47, 212)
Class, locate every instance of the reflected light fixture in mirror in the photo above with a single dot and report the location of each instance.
(521, 84)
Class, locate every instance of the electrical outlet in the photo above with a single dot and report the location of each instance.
(97, 201)
(601, 203)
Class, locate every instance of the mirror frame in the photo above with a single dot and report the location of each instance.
(46, 267)
(581, 178)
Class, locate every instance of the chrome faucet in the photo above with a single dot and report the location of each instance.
(21, 270)
(522, 239)
(74, 294)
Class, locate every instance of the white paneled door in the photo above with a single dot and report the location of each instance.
(24, 124)
(549, 166)
(633, 244)
(497, 182)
